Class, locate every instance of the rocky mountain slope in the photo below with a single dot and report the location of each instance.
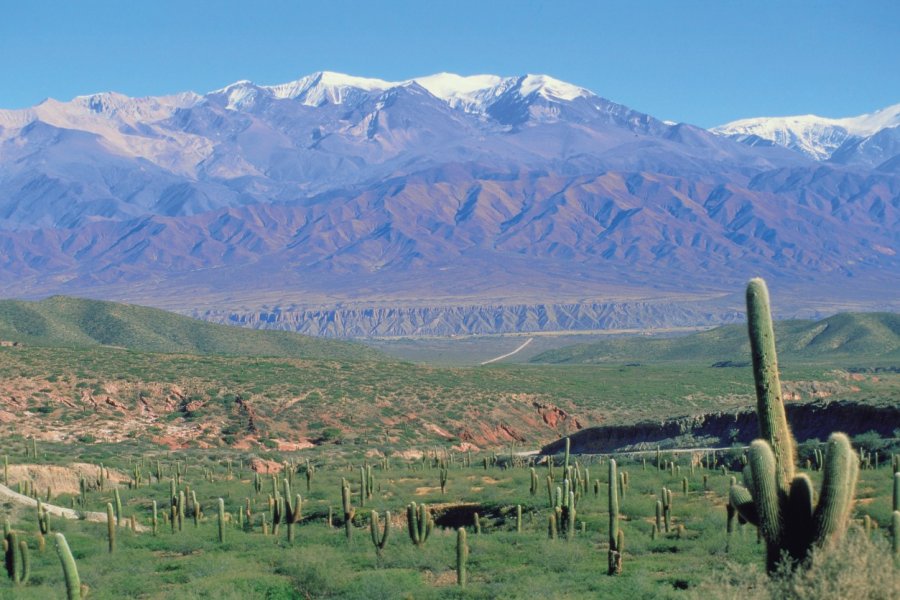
(351, 206)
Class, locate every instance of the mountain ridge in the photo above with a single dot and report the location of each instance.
(337, 190)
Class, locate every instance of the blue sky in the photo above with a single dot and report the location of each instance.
(700, 62)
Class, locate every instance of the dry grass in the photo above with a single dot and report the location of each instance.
(62, 480)
(858, 567)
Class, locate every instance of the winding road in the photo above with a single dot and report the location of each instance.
(528, 341)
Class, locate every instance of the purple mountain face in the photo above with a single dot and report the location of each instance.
(445, 204)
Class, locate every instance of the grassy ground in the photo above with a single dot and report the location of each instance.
(322, 564)
(61, 321)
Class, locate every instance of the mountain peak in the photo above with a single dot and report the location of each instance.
(815, 136)
(469, 92)
(550, 87)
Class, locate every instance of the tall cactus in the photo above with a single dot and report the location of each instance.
(773, 425)
(110, 527)
(778, 502)
(74, 589)
(221, 520)
(616, 537)
(349, 511)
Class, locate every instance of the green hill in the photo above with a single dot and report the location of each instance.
(844, 335)
(64, 321)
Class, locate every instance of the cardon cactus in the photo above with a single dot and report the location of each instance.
(74, 589)
(43, 519)
(349, 510)
(221, 520)
(779, 502)
(110, 527)
(18, 564)
(462, 556)
(292, 510)
(616, 537)
(379, 536)
(419, 523)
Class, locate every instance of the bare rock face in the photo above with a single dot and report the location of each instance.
(474, 319)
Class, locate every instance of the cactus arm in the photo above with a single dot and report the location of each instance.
(765, 491)
(838, 485)
(26, 562)
(798, 520)
(739, 497)
(773, 426)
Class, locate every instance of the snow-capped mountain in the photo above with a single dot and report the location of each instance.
(817, 137)
(441, 189)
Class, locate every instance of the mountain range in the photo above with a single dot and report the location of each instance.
(340, 205)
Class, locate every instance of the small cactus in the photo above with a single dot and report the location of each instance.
(349, 511)
(443, 476)
(462, 556)
(110, 527)
(43, 519)
(292, 510)
(419, 523)
(379, 536)
(221, 519)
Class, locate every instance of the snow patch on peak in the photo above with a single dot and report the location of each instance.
(548, 87)
(326, 86)
(471, 93)
(812, 135)
(450, 86)
(869, 124)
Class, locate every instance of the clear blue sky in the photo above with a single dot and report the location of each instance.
(701, 62)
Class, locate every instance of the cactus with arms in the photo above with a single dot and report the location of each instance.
(419, 523)
(379, 536)
(292, 510)
(779, 502)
